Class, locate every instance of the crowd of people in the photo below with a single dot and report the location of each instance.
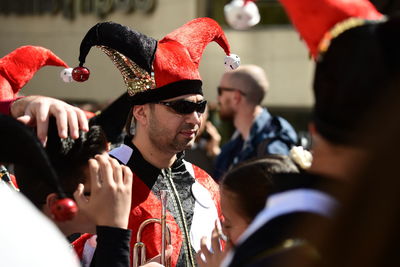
(123, 185)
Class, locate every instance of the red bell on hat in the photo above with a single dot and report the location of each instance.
(80, 74)
(64, 209)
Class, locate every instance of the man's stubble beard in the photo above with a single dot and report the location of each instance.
(226, 114)
(163, 142)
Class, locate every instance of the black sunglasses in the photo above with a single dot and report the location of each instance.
(185, 107)
(221, 89)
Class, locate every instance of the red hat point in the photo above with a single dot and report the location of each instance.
(179, 53)
(313, 19)
(18, 67)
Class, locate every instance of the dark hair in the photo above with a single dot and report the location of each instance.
(68, 157)
(252, 181)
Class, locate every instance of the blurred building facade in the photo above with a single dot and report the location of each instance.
(61, 24)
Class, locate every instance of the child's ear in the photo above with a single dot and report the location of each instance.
(50, 201)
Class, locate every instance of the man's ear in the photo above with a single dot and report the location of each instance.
(237, 97)
(140, 113)
(312, 129)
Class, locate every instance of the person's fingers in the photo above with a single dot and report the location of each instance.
(212, 130)
(218, 227)
(82, 120)
(73, 125)
(117, 171)
(94, 175)
(62, 121)
(106, 171)
(42, 120)
(127, 175)
(25, 119)
(210, 127)
(199, 259)
(215, 246)
(203, 247)
(79, 197)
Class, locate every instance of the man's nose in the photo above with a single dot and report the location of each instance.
(194, 117)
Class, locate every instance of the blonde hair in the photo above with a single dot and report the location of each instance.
(250, 80)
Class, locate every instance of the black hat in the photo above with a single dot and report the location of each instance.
(358, 70)
(113, 118)
(357, 55)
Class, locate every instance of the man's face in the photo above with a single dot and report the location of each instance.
(170, 130)
(225, 99)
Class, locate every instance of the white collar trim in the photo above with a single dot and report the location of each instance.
(123, 153)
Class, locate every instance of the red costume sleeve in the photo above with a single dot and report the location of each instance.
(5, 106)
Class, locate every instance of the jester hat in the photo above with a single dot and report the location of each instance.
(156, 70)
(18, 67)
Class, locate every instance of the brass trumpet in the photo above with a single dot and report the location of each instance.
(139, 250)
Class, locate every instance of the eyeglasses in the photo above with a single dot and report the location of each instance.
(185, 107)
(221, 89)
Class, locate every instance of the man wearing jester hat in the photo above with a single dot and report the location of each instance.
(165, 90)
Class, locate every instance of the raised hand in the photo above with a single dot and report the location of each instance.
(36, 110)
(207, 258)
(109, 203)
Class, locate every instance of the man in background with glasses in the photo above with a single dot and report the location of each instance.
(258, 133)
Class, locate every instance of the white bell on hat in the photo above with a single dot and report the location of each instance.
(241, 14)
(232, 62)
(66, 75)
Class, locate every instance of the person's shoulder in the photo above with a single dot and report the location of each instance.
(304, 179)
(199, 174)
(277, 237)
(202, 177)
(270, 122)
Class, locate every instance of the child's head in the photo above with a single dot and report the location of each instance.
(245, 188)
(69, 159)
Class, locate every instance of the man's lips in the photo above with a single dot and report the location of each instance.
(188, 133)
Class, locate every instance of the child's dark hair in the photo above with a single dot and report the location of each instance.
(68, 157)
(252, 181)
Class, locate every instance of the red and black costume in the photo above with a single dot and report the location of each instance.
(189, 215)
